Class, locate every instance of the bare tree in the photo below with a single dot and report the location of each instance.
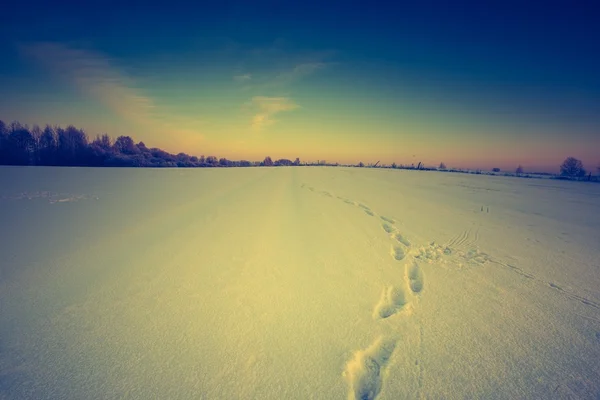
(519, 170)
(48, 146)
(20, 145)
(72, 143)
(572, 167)
(268, 162)
(4, 147)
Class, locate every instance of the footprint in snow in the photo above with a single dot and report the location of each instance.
(365, 373)
(392, 300)
(415, 277)
(388, 228)
(401, 239)
(398, 253)
(386, 219)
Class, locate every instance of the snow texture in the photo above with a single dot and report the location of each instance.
(297, 283)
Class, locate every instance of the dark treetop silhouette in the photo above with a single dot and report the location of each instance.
(55, 146)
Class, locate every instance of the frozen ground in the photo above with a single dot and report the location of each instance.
(297, 283)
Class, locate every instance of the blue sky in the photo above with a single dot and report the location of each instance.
(470, 84)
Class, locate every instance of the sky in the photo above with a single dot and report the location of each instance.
(467, 84)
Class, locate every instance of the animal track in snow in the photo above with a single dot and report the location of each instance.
(52, 197)
(369, 212)
(514, 269)
(364, 207)
(555, 286)
(475, 256)
(365, 372)
(430, 253)
(465, 238)
(433, 252)
(574, 296)
(392, 300)
(415, 277)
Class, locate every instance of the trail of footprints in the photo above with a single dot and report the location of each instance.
(366, 372)
(452, 254)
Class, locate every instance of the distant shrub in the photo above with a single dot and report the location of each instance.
(496, 169)
(442, 166)
(572, 168)
(519, 170)
(284, 162)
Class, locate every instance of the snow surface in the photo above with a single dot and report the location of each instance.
(297, 283)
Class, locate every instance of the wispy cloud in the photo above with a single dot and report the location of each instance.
(280, 65)
(99, 77)
(276, 69)
(242, 78)
(299, 71)
(285, 77)
(95, 75)
(267, 107)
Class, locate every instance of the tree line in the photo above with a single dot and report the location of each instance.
(55, 146)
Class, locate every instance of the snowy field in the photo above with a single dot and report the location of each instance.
(297, 283)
